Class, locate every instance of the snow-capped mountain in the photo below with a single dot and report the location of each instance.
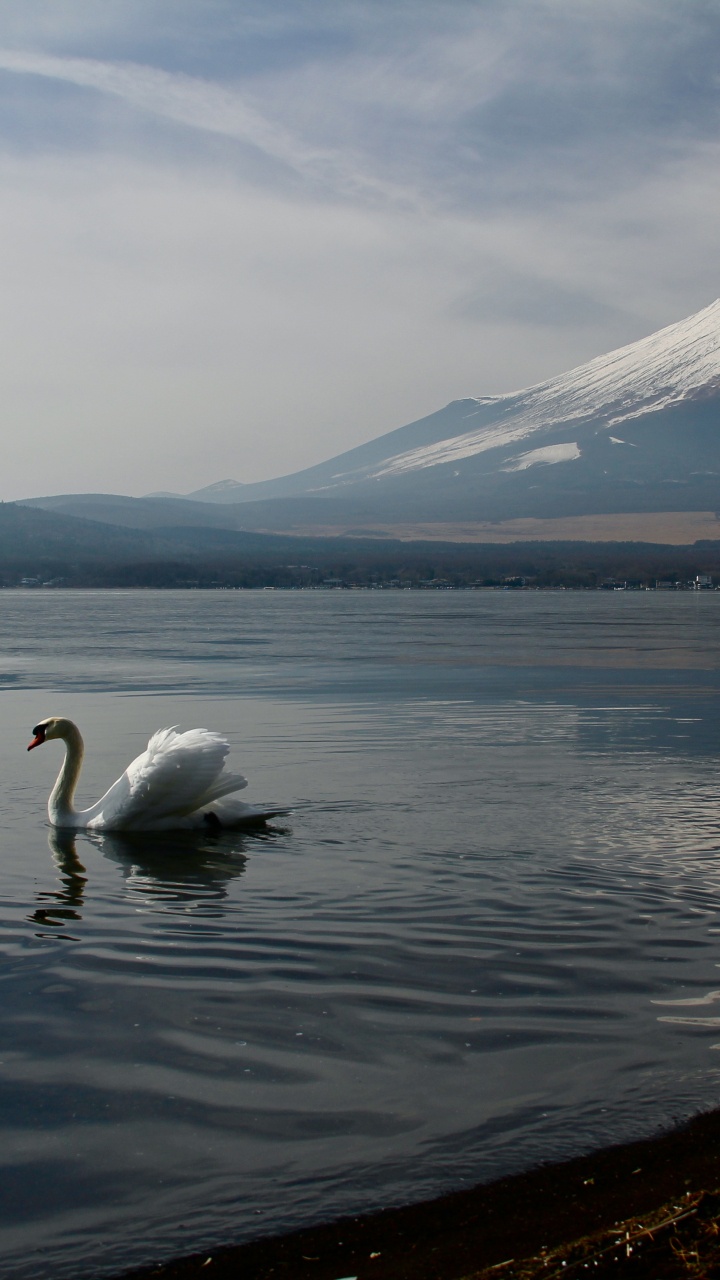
(674, 365)
(636, 429)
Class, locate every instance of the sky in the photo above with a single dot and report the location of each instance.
(238, 237)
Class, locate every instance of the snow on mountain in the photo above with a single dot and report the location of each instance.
(637, 429)
(550, 454)
(677, 363)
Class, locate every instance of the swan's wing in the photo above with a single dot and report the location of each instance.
(177, 774)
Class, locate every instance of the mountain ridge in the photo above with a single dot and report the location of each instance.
(676, 365)
(634, 431)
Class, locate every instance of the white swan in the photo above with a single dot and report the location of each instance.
(176, 784)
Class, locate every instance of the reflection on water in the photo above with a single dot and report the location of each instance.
(175, 870)
(489, 939)
(163, 869)
(66, 901)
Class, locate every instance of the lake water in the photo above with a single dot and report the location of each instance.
(488, 935)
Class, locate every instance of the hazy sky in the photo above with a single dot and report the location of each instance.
(240, 236)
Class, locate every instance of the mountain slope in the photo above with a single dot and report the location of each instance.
(636, 429)
(676, 366)
(633, 431)
(437, 426)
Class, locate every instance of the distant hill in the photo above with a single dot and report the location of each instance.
(28, 534)
(39, 547)
(137, 513)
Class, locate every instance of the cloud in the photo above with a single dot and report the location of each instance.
(178, 97)
(510, 102)
(504, 103)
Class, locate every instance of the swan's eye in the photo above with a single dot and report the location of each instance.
(39, 730)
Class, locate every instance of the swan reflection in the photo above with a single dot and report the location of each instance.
(176, 872)
(58, 906)
(181, 869)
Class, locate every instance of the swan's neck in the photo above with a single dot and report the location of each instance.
(61, 810)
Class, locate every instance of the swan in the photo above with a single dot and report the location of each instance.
(176, 784)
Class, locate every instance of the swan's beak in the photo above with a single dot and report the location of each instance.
(37, 740)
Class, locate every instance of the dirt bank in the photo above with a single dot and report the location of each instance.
(647, 1209)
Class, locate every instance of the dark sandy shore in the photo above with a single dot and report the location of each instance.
(647, 1209)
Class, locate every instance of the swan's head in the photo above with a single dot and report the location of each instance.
(53, 727)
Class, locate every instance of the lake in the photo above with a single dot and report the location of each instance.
(487, 935)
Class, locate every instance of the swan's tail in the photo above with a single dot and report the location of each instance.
(236, 815)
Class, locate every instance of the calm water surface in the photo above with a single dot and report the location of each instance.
(489, 934)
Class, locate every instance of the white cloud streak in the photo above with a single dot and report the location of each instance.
(202, 105)
(178, 97)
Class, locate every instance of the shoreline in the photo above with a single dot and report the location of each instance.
(491, 1229)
